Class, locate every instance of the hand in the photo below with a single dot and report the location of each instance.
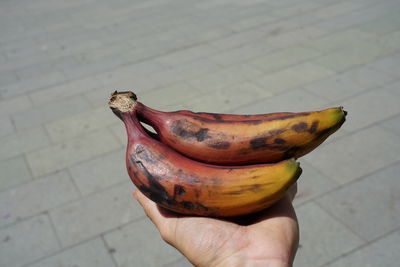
(267, 238)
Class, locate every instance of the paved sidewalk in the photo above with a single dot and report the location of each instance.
(65, 197)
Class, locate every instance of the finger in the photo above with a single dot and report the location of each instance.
(151, 209)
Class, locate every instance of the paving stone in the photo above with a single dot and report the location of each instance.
(333, 10)
(295, 37)
(131, 71)
(27, 241)
(241, 54)
(322, 237)
(382, 252)
(100, 173)
(150, 250)
(36, 196)
(6, 126)
(357, 154)
(22, 142)
(383, 25)
(291, 101)
(224, 77)
(251, 22)
(186, 55)
(349, 83)
(82, 123)
(312, 183)
(392, 125)
(227, 98)
(15, 104)
(32, 84)
(353, 56)
(387, 64)
(88, 254)
(7, 77)
(65, 90)
(283, 58)
(83, 219)
(340, 39)
(49, 112)
(168, 95)
(58, 156)
(368, 206)
(14, 171)
(182, 262)
(362, 115)
(293, 77)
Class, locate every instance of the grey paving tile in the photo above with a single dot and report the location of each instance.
(382, 252)
(58, 156)
(65, 90)
(312, 184)
(362, 115)
(7, 126)
(392, 125)
(82, 123)
(140, 244)
(241, 54)
(349, 83)
(340, 39)
(37, 196)
(295, 37)
(353, 56)
(175, 93)
(22, 142)
(368, 206)
(84, 219)
(14, 171)
(388, 64)
(186, 55)
(88, 254)
(100, 173)
(382, 25)
(227, 98)
(355, 155)
(393, 88)
(49, 112)
(293, 77)
(7, 77)
(27, 241)
(183, 262)
(32, 84)
(224, 77)
(296, 100)
(15, 104)
(282, 58)
(322, 237)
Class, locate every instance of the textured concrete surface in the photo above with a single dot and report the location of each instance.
(64, 193)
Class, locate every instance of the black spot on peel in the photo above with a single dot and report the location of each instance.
(220, 145)
(179, 190)
(300, 127)
(314, 127)
(279, 141)
(216, 116)
(182, 129)
(156, 192)
(258, 143)
(276, 132)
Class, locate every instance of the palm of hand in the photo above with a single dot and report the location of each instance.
(268, 238)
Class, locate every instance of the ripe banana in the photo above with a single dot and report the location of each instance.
(190, 187)
(241, 139)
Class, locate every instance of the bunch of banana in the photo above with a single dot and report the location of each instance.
(218, 165)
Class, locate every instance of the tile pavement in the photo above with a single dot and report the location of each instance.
(64, 194)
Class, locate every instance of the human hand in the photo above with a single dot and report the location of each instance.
(267, 238)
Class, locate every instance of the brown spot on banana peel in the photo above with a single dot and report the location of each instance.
(260, 143)
(314, 127)
(279, 141)
(156, 192)
(300, 127)
(219, 145)
(182, 129)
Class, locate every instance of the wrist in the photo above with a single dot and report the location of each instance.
(238, 261)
